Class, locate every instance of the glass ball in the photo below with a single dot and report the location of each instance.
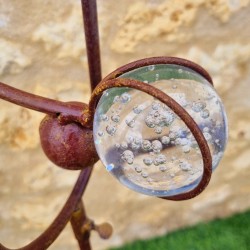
(145, 145)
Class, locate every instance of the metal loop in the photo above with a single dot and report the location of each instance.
(181, 112)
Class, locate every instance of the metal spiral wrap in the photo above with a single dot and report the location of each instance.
(111, 81)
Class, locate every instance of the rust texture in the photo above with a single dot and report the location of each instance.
(69, 146)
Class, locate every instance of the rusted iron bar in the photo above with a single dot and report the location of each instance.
(90, 20)
(53, 231)
(67, 110)
(78, 220)
(89, 10)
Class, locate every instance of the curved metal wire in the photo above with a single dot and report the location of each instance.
(49, 236)
(159, 60)
(181, 112)
(88, 114)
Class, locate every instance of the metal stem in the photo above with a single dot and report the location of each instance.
(77, 221)
(39, 103)
(89, 11)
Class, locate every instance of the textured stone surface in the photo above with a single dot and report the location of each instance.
(42, 51)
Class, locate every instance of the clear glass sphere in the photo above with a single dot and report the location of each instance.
(145, 145)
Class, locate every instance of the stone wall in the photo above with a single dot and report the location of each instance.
(42, 51)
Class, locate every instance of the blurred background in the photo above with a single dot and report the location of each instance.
(42, 50)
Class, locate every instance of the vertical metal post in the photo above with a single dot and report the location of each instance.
(89, 10)
(77, 221)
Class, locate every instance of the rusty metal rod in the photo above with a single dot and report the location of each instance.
(89, 10)
(53, 231)
(82, 238)
(39, 103)
(77, 221)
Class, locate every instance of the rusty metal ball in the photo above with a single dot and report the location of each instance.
(69, 146)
